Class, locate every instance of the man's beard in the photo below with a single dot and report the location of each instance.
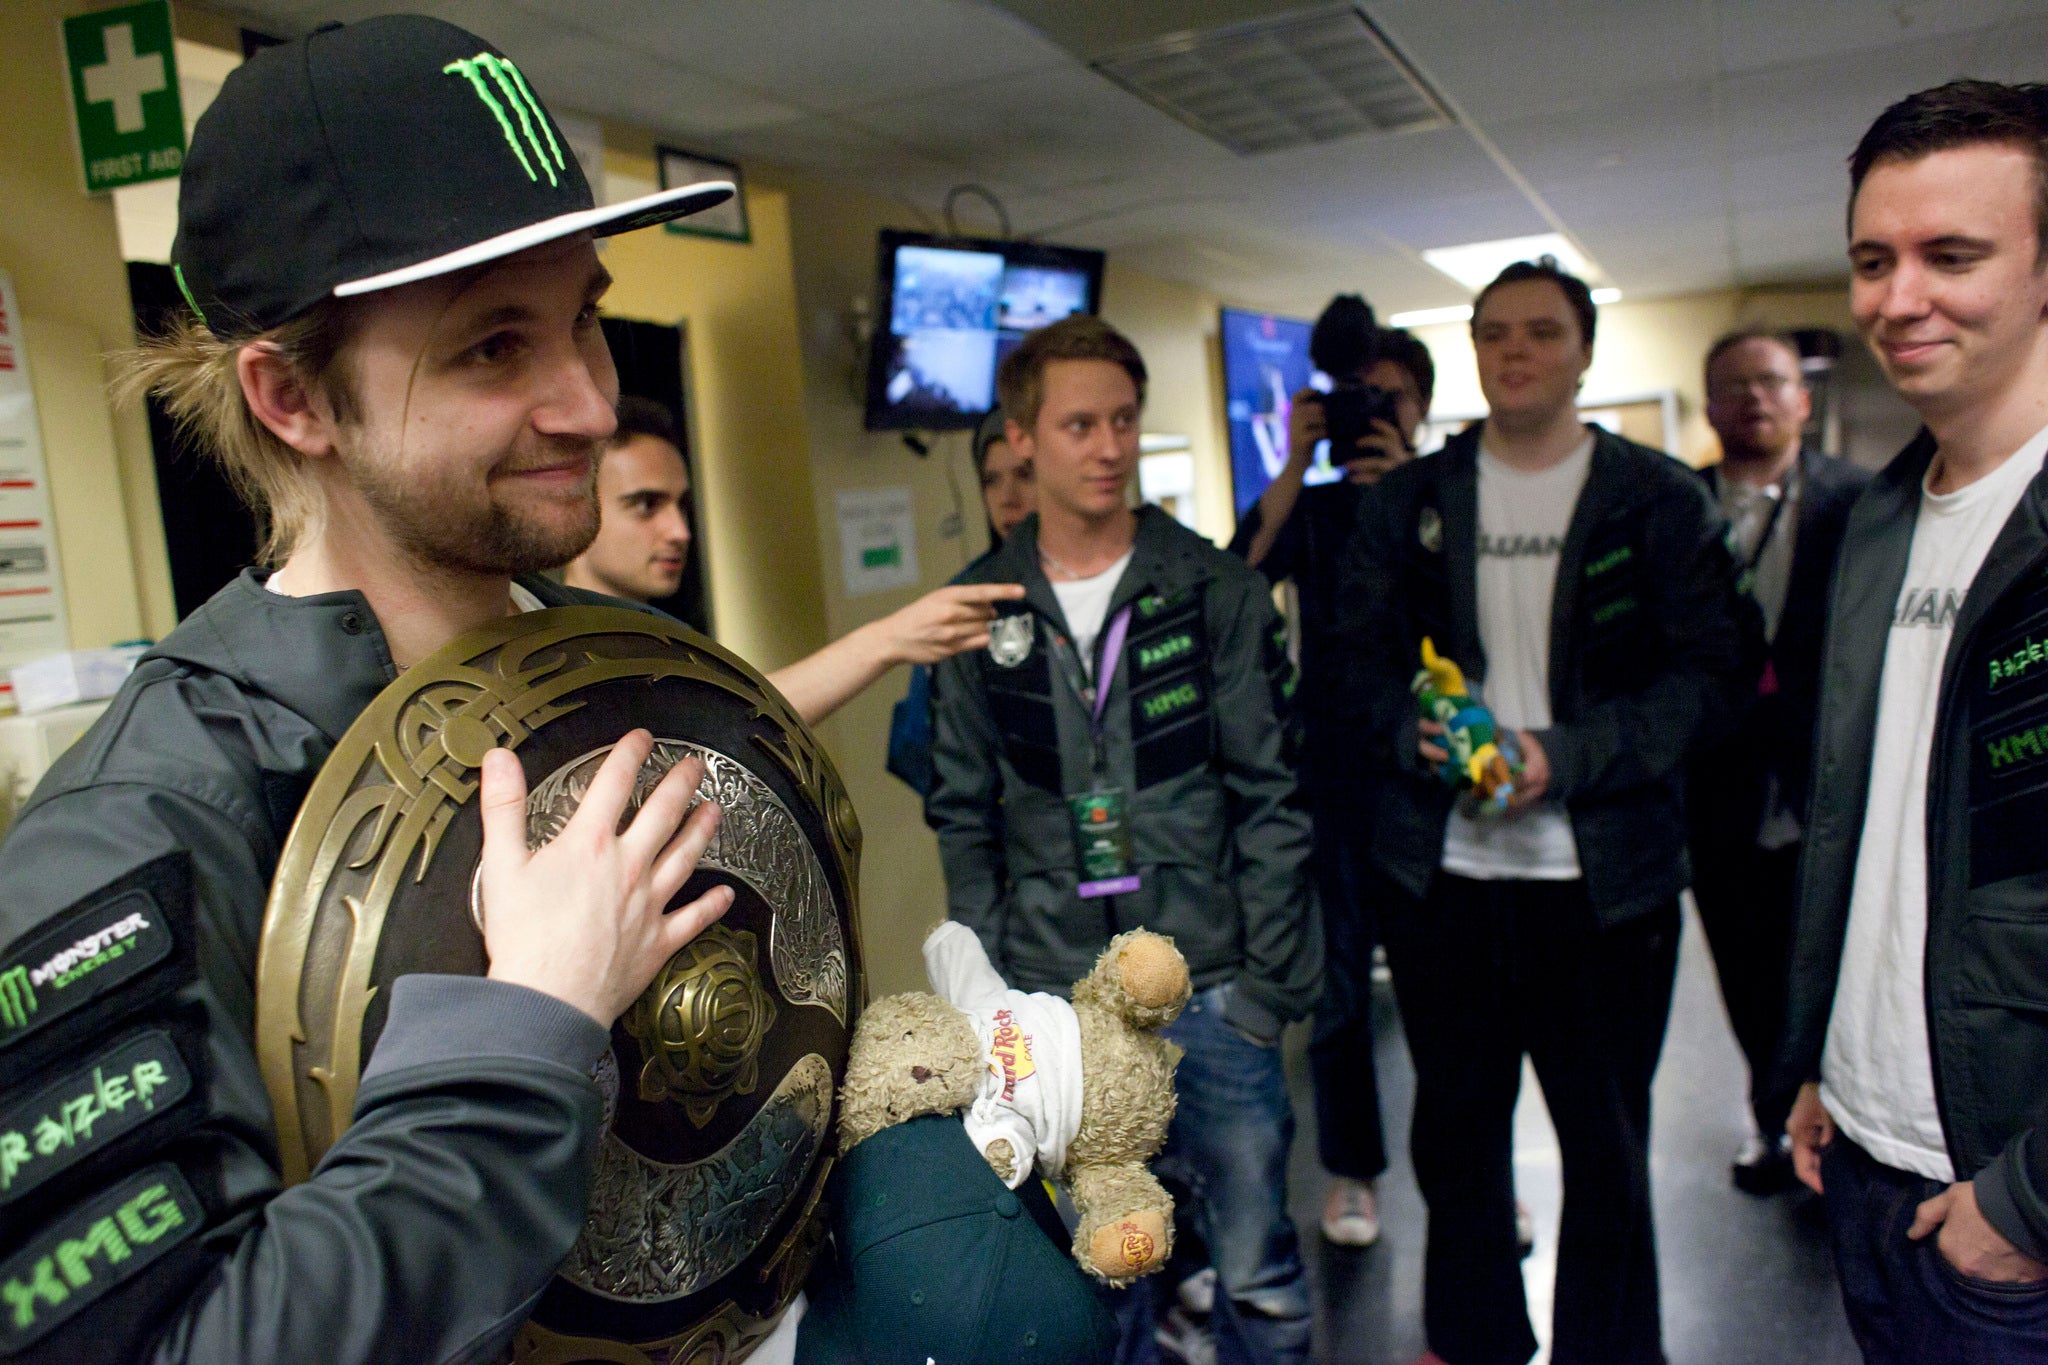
(445, 527)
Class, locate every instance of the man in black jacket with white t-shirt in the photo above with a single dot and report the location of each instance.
(1918, 1009)
(1585, 581)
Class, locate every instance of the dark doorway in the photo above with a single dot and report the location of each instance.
(210, 535)
(208, 532)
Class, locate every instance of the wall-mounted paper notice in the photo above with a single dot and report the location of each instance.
(877, 539)
(32, 619)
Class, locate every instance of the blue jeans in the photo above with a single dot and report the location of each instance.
(1907, 1305)
(1228, 1144)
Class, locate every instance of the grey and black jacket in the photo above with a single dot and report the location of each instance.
(142, 1215)
(1653, 649)
(1986, 963)
(1194, 730)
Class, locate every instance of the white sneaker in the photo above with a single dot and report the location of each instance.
(1197, 1293)
(1351, 1214)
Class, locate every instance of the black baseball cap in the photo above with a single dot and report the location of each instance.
(369, 155)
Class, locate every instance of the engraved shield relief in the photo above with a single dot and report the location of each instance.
(705, 1205)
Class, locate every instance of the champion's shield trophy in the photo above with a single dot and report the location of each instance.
(707, 1201)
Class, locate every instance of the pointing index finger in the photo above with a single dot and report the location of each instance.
(988, 592)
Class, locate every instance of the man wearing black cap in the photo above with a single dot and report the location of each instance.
(395, 352)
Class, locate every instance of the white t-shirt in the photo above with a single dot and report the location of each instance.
(1877, 1078)
(1031, 1044)
(1522, 523)
(1085, 603)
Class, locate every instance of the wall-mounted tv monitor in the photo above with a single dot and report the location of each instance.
(950, 309)
(1265, 363)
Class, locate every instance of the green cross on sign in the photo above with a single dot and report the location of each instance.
(124, 95)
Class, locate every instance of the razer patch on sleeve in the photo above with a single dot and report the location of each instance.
(80, 956)
(92, 1248)
(86, 1109)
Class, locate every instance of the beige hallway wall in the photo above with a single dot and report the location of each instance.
(60, 245)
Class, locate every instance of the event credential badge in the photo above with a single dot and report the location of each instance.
(1102, 842)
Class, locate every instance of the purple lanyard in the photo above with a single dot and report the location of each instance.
(1112, 650)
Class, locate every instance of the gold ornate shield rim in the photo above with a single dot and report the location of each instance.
(428, 731)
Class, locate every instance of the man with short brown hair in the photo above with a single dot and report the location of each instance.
(1583, 580)
(1117, 757)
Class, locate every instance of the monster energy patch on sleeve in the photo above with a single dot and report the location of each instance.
(90, 1250)
(84, 1111)
(78, 958)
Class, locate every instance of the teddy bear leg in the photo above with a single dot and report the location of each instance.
(1126, 1227)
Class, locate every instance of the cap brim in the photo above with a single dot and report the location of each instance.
(604, 221)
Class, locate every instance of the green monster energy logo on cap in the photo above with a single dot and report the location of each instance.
(505, 77)
(17, 997)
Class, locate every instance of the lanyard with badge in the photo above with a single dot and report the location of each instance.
(1100, 815)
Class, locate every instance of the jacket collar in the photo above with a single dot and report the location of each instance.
(323, 657)
(1165, 558)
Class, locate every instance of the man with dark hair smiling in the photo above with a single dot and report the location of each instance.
(1117, 758)
(1918, 1011)
(1584, 581)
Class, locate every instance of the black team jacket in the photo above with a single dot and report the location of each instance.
(1728, 783)
(1195, 731)
(1986, 965)
(142, 1214)
(1652, 648)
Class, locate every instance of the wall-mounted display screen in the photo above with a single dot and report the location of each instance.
(951, 309)
(1265, 363)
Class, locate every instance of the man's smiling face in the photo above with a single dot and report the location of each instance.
(485, 399)
(1948, 287)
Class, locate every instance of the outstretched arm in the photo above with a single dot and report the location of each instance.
(936, 626)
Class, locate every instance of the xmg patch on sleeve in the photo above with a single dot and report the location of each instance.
(91, 1249)
(105, 941)
(84, 1111)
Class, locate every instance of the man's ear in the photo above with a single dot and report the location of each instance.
(282, 400)
(1019, 439)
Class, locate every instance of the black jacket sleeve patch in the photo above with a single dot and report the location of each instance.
(87, 1110)
(118, 937)
(90, 1250)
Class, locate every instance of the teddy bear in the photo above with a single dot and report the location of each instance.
(1081, 1092)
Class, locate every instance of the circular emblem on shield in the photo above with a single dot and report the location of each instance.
(706, 1202)
(1009, 638)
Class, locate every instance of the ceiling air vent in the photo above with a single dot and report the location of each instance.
(1311, 76)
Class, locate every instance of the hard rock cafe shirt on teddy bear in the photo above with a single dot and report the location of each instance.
(1031, 1090)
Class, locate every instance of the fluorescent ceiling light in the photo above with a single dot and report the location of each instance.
(1423, 317)
(1475, 264)
(1607, 296)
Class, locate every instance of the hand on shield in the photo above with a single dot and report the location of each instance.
(582, 918)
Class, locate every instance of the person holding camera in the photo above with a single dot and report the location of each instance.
(1384, 379)
(1586, 582)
